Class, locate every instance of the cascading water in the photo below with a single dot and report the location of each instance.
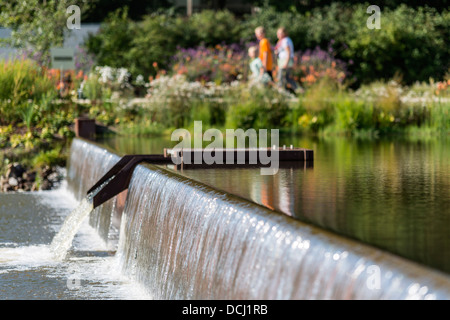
(84, 166)
(84, 171)
(87, 164)
(184, 240)
(28, 267)
(62, 241)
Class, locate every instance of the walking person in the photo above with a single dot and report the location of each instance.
(285, 54)
(257, 76)
(265, 51)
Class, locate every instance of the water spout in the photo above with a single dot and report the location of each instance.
(62, 241)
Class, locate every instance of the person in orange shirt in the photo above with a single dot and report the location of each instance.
(265, 51)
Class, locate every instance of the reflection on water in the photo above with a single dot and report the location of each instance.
(393, 194)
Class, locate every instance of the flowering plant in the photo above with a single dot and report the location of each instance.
(221, 64)
(312, 65)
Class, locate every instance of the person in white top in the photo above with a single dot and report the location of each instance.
(285, 54)
(256, 67)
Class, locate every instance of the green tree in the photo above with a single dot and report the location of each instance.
(37, 25)
(111, 45)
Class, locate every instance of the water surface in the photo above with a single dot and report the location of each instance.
(28, 268)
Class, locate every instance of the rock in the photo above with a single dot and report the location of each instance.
(46, 185)
(13, 182)
(28, 186)
(17, 178)
(46, 171)
(7, 187)
(53, 177)
(15, 170)
(29, 176)
(8, 170)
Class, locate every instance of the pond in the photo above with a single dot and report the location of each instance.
(393, 194)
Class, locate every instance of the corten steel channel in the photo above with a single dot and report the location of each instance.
(121, 173)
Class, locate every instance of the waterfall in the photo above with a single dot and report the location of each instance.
(182, 239)
(87, 163)
(62, 241)
(185, 240)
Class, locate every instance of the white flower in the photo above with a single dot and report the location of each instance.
(140, 79)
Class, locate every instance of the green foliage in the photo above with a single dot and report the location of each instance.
(21, 81)
(155, 39)
(138, 45)
(93, 89)
(387, 109)
(28, 113)
(144, 127)
(215, 27)
(410, 42)
(305, 6)
(271, 20)
(439, 116)
(37, 25)
(53, 157)
(258, 108)
(352, 115)
(113, 41)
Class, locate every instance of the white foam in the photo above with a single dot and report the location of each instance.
(91, 271)
(63, 239)
(30, 256)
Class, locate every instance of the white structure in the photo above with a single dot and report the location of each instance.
(73, 38)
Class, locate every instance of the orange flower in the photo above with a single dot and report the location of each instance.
(182, 70)
(155, 64)
(310, 78)
(441, 85)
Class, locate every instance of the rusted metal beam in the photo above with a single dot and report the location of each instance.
(118, 178)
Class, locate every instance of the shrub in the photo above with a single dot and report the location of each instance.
(222, 63)
(111, 44)
(311, 66)
(21, 81)
(258, 108)
(410, 42)
(215, 27)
